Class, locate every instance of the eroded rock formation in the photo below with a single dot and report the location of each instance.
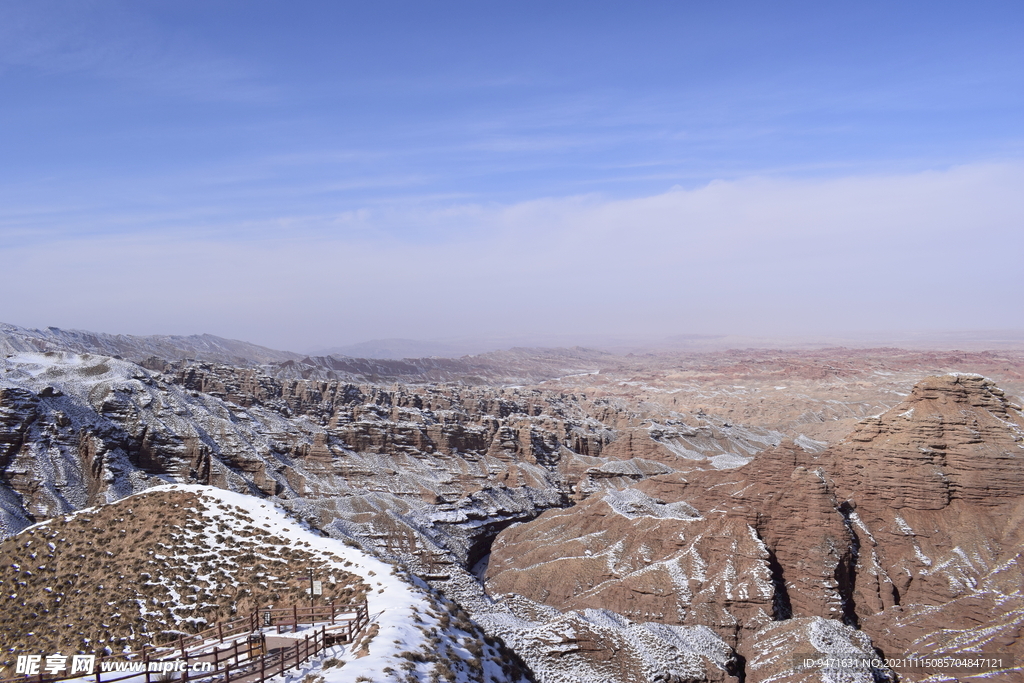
(909, 526)
(684, 543)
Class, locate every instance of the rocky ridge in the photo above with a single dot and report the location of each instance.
(14, 339)
(917, 512)
(522, 366)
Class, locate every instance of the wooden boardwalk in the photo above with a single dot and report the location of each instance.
(238, 651)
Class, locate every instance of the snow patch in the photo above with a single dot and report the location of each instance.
(631, 504)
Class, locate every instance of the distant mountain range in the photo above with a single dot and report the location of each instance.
(396, 349)
(160, 352)
(211, 348)
(14, 339)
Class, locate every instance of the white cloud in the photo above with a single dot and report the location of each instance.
(936, 250)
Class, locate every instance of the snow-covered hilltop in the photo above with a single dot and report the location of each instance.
(14, 339)
(115, 577)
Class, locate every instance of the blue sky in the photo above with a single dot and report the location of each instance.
(318, 173)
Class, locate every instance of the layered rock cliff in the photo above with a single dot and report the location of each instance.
(909, 529)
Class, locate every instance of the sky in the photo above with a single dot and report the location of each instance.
(304, 175)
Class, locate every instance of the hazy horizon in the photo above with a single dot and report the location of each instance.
(397, 348)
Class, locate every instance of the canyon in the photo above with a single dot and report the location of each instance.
(663, 516)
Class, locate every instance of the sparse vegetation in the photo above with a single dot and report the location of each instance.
(108, 579)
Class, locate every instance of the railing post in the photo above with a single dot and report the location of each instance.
(220, 631)
(98, 665)
(295, 617)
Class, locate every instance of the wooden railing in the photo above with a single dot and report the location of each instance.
(357, 624)
(243, 664)
(242, 658)
(295, 615)
(220, 631)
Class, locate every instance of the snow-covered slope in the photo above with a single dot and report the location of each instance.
(14, 339)
(220, 550)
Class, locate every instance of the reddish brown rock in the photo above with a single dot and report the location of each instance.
(935, 491)
(814, 650)
(910, 528)
(731, 549)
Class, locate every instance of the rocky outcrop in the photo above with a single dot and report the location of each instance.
(595, 646)
(795, 649)
(910, 525)
(955, 438)
(934, 491)
(731, 549)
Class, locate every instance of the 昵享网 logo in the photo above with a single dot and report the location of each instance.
(33, 665)
(64, 666)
